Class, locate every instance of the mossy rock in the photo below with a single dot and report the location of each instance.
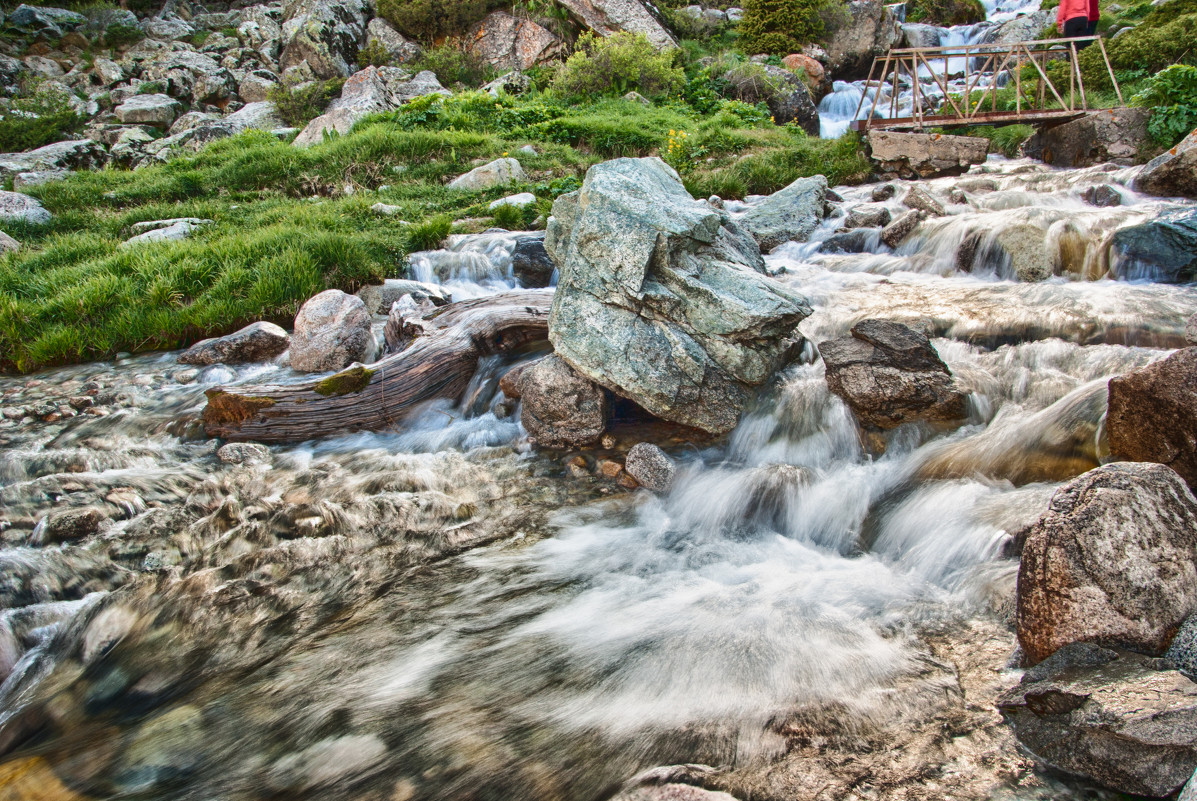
(355, 379)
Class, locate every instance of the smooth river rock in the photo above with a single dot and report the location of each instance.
(663, 299)
(1113, 562)
(788, 215)
(257, 342)
(1153, 414)
(559, 407)
(650, 466)
(890, 374)
(1108, 716)
(332, 331)
(1163, 250)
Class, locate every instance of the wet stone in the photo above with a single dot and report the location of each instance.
(1102, 196)
(650, 466)
(69, 525)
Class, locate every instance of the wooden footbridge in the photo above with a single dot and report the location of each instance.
(957, 86)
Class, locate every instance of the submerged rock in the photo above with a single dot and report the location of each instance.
(1025, 246)
(916, 155)
(1109, 717)
(650, 466)
(69, 525)
(332, 331)
(1153, 412)
(897, 231)
(662, 299)
(1113, 561)
(1103, 196)
(890, 374)
(1163, 250)
(559, 407)
(257, 342)
(1172, 173)
(788, 215)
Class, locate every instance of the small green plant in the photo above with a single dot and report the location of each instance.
(514, 218)
(151, 88)
(374, 54)
(429, 235)
(1006, 140)
(783, 26)
(453, 64)
(118, 36)
(616, 65)
(198, 38)
(681, 153)
(301, 104)
(41, 115)
(430, 20)
(1172, 96)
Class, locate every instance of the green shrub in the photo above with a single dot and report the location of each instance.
(1164, 37)
(783, 26)
(453, 65)
(429, 20)
(616, 65)
(374, 54)
(429, 235)
(151, 88)
(42, 115)
(514, 218)
(1172, 96)
(1006, 140)
(118, 35)
(945, 12)
(300, 105)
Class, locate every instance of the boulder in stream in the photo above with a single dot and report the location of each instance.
(1153, 413)
(256, 342)
(918, 155)
(890, 374)
(1163, 250)
(1113, 561)
(897, 231)
(560, 408)
(1109, 716)
(1172, 173)
(1108, 135)
(788, 215)
(650, 466)
(663, 299)
(332, 331)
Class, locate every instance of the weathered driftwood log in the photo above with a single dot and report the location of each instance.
(437, 364)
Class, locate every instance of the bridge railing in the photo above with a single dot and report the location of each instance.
(965, 80)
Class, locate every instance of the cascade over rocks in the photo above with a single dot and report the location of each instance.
(606, 17)
(788, 215)
(257, 342)
(917, 155)
(332, 331)
(1153, 412)
(890, 374)
(662, 299)
(1163, 250)
(379, 297)
(1113, 561)
(1172, 173)
(1108, 716)
(1109, 135)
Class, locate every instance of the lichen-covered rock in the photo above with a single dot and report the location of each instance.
(8, 244)
(650, 466)
(890, 374)
(1153, 413)
(918, 155)
(606, 17)
(399, 48)
(52, 23)
(324, 34)
(662, 298)
(560, 408)
(158, 110)
(505, 42)
(257, 85)
(257, 342)
(1110, 717)
(369, 91)
(1113, 561)
(788, 98)
(788, 215)
(332, 331)
(499, 172)
(15, 206)
(75, 154)
(874, 29)
(1172, 173)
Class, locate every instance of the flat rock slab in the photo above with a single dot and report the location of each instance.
(913, 155)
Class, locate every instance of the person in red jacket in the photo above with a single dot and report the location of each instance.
(1094, 17)
(1072, 18)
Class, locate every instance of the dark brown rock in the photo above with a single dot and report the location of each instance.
(1103, 196)
(1108, 716)
(899, 229)
(257, 342)
(561, 408)
(1113, 561)
(1153, 414)
(890, 374)
(530, 262)
(69, 525)
(1108, 135)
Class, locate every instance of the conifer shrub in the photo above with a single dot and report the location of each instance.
(42, 115)
(616, 65)
(429, 20)
(783, 26)
(299, 105)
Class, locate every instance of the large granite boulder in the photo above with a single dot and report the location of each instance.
(1109, 716)
(505, 42)
(1108, 135)
(51, 23)
(369, 91)
(1172, 173)
(499, 172)
(326, 34)
(606, 17)
(890, 374)
(261, 32)
(787, 96)
(257, 342)
(191, 77)
(1153, 414)
(332, 331)
(1024, 247)
(158, 110)
(788, 215)
(874, 29)
(1023, 28)
(22, 208)
(1163, 250)
(400, 49)
(76, 154)
(1113, 561)
(663, 299)
(559, 408)
(917, 155)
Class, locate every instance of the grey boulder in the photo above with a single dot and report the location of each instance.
(22, 208)
(506, 42)
(499, 172)
(332, 331)
(560, 408)
(379, 297)
(1113, 562)
(662, 299)
(158, 110)
(788, 215)
(606, 17)
(75, 154)
(379, 33)
(1173, 173)
(1162, 250)
(650, 466)
(326, 34)
(1107, 136)
(369, 91)
(257, 342)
